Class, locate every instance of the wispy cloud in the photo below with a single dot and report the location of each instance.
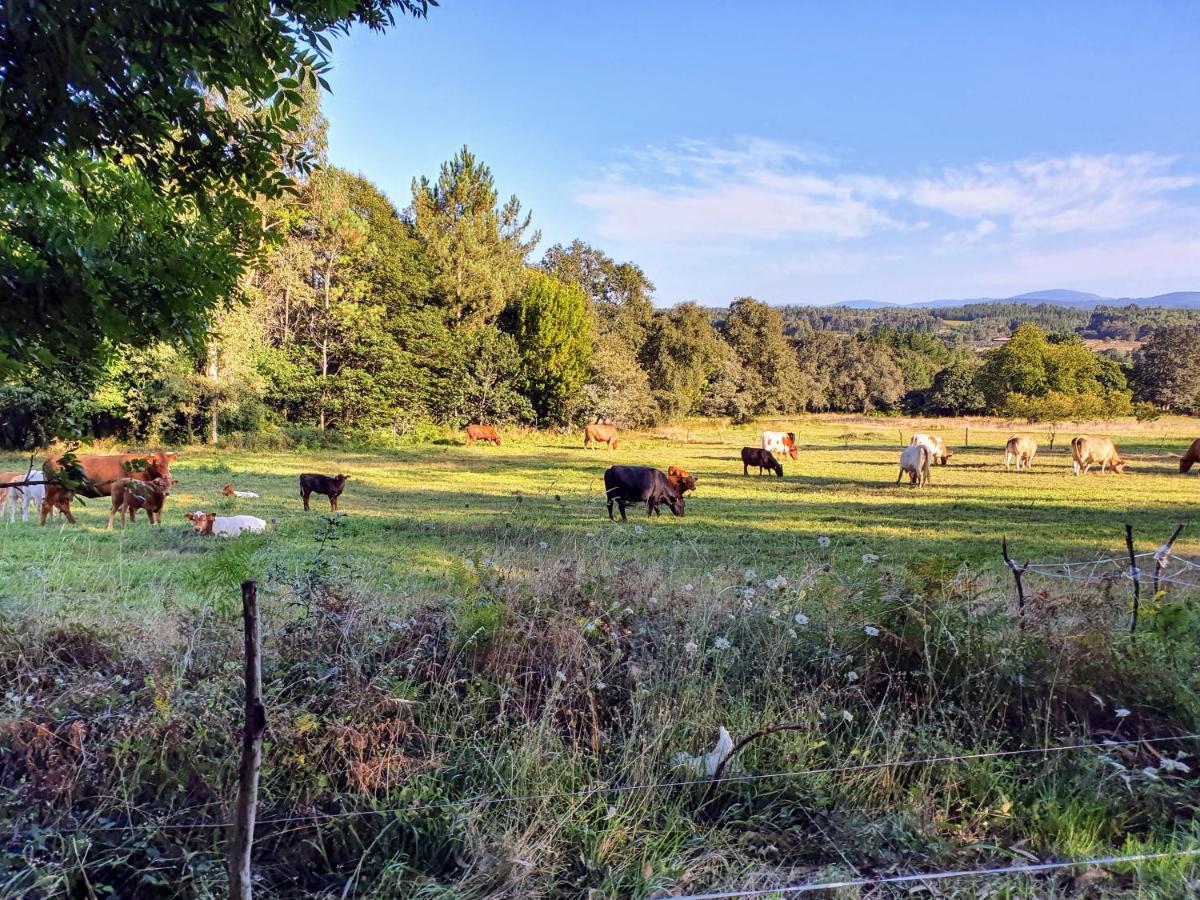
(779, 209)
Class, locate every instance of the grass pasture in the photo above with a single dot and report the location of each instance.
(456, 665)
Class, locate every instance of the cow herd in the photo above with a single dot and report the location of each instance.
(142, 482)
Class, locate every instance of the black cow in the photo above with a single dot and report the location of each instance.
(641, 484)
(330, 486)
(764, 459)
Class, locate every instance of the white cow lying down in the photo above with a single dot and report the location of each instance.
(224, 526)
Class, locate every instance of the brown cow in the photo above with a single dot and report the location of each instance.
(600, 434)
(681, 479)
(1190, 458)
(100, 472)
(57, 497)
(130, 495)
(1087, 451)
(330, 486)
(482, 433)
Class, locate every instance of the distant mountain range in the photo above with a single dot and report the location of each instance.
(1059, 296)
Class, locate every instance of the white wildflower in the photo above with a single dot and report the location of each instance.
(748, 574)
(823, 541)
(777, 583)
(688, 587)
(869, 559)
(800, 618)
(1121, 713)
(1151, 773)
(847, 716)
(691, 648)
(560, 675)
(871, 631)
(600, 685)
(543, 544)
(722, 644)
(1173, 765)
(590, 534)
(749, 593)
(638, 529)
(610, 812)
(793, 633)
(852, 677)
(653, 601)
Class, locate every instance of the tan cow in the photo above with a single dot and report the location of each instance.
(100, 472)
(600, 434)
(914, 462)
(1088, 451)
(936, 446)
(129, 495)
(1020, 449)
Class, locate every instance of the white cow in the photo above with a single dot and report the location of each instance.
(1021, 449)
(914, 462)
(224, 526)
(780, 442)
(936, 446)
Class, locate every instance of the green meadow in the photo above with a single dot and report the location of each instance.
(479, 686)
(411, 512)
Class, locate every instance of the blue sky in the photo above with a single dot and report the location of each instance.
(809, 152)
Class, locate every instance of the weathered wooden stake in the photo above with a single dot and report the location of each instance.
(1163, 556)
(1135, 575)
(967, 438)
(1017, 571)
(241, 839)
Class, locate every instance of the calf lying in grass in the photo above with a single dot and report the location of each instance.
(131, 494)
(224, 526)
(229, 491)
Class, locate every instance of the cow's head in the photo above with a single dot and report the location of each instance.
(1118, 466)
(201, 521)
(615, 441)
(340, 480)
(778, 469)
(1188, 460)
(228, 490)
(675, 500)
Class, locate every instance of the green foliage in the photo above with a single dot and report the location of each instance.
(134, 142)
(770, 379)
(476, 250)
(954, 390)
(682, 355)
(1165, 369)
(553, 333)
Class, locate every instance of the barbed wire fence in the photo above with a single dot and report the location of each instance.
(1169, 569)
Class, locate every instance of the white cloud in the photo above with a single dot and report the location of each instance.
(1058, 195)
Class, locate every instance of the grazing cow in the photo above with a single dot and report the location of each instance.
(1190, 458)
(640, 484)
(600, 434)
(936, 446)
(228, 491)
(1087, 451)
(130, 495)
(482, 433)
(681, 478)
(58, 498)
(914, 462)
(224, 526)
(332, 487)
(780, 442)
(764, 459)
(1021, 449)
(99, 472)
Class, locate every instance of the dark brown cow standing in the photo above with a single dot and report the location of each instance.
(330, 486)
(624, 485)
(1190, 458)
(764, 459)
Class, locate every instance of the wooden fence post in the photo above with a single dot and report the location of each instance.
(241, 839)
(1135, 575)
(1017, 572)
(1163, 556)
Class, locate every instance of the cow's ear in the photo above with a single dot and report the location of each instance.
(211, 517)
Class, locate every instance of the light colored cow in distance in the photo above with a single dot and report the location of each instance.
(779, 442)
(914, 462)
(936, 446)
(1086, 451)
(1020, 449)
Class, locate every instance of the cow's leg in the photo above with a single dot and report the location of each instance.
(112, 512)
(745, 469)
(45, 512)
(66, 511)
(610, 515)
(333, 502)
(304, 497)
(621, 504)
